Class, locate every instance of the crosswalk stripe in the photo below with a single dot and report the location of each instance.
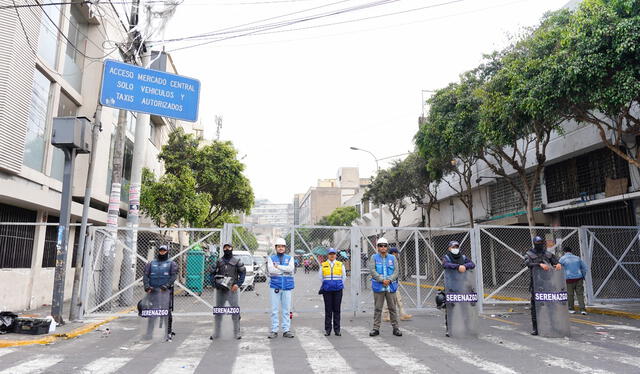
(254, 354)
(188, 355)
(318, 349)
(464, 356)
(588, 348)
(393, 356)
(504, 343)
(37, 365)
(566, 364)
(108, 365)
(6, 351)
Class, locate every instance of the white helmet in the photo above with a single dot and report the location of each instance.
(281, 241)
(382, 240)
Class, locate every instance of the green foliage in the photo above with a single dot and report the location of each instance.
(198, 178)
(172, 200)
(390, 187)
(423, 188)
(342, 216)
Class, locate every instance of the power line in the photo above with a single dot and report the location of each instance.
(260, 28)
(16, 6)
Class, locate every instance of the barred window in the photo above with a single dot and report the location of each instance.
(505, 199)
(50, 241)
(585, 175)
(16, 241)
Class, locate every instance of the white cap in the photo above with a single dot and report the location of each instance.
(382, 240)
(281, 241)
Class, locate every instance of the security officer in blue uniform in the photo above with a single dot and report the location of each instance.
(159, 276)
(538, 256)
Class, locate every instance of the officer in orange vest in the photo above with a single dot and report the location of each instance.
(333, 276)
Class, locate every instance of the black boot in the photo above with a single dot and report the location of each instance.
(374, 332)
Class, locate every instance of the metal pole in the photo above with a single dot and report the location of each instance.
(416, 243)
(75, 303)
(57, 302)
(139, 150)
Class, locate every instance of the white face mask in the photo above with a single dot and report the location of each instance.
(455, 250)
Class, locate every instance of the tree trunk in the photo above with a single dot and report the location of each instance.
(530, 219)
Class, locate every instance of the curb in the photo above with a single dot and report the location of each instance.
(613, 312)
(54, 337)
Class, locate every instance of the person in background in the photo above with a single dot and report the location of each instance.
(574, 271)
(333, 276)
(400, 306)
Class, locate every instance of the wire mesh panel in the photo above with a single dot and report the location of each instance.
(502, 250)
(614, 254)
(308, 245)
(115, 278)
(420, 253)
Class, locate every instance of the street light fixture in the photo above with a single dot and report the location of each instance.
(377, 172)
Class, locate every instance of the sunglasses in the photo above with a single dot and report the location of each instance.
(383, 245)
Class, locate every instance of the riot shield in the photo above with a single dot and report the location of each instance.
(461, 300)
(155, 308)
(550, 295)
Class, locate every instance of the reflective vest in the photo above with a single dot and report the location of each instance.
(160, 273)
(281, 282)
(332, 276)
(385, 266)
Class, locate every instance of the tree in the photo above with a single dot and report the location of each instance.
(342, 216)
(217, 172)
(173, 201)
(518, 113)
(390, 187)
(598, 72)
(449, 140)
(423, 190)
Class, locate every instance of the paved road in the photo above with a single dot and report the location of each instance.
(599, 344)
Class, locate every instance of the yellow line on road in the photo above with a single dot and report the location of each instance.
(502, 320)
(585, 322)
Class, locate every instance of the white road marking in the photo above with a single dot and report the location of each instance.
(504, 343)
(37, 365)
(571, 365)
(254, 354)
(317, 349)
(108, 365)
(187, 357)
(464, 356)
(393, 356)
(607, 354)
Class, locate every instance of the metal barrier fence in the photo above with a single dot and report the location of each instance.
(612, 254)
(113, 284)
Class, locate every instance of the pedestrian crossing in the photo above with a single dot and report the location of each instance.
(418, 351)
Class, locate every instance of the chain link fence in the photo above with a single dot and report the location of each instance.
(613, 255)
(505, 278)
(114, 284)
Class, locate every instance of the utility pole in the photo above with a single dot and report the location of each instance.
(75, 303)
(128, 268)
(109, 245)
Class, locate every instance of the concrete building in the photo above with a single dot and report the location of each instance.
(329, 194)
(50, 66)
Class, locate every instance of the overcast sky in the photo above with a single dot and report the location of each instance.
(294, 102)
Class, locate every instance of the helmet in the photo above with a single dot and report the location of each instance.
(163, 248)
(453, 243)
(382, 240)
(393, 250)
(332, 250)
(440, 299)
(538, 239)
(281, 241)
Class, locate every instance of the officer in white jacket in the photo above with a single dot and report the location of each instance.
(281, 267)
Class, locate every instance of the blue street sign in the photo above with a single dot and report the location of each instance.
(130, 87)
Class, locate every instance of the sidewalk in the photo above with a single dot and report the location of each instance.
(624, 310)
(67, 331)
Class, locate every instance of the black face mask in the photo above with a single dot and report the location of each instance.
(539, 247)
(163, 257)
(228, 253)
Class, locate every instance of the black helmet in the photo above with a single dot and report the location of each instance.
(441, 298)
(537, 240)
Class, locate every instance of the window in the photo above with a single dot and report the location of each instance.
(74, 54)
(37, 122)
(50, 243)
(16, 242)
(48, 38)
(66, 108)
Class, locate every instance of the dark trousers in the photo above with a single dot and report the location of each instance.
(534, 321)
(332, 301)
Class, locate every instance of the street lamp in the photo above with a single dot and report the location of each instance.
(378, 172)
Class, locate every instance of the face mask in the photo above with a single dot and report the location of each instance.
(163, 257)
(539, 246)
(455, 251)
(228, 254)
